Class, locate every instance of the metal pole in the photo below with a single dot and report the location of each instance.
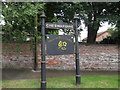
(35, 46)
(43, 62)
(78, 78)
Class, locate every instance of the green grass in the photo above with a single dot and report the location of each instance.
(96, 81)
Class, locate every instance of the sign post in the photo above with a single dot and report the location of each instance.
(43, 62)
(59, 45)
(77, 51)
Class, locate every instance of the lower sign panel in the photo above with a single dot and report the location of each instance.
(60, 44)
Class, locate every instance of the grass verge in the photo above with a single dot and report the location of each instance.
(94, 81)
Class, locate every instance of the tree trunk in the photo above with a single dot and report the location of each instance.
(93, 26)
(10, 36)
(92, 33)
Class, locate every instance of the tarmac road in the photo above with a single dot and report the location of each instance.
(15, 74)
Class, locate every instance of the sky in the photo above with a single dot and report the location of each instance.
(105, 26)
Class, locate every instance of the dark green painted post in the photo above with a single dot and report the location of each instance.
(43, 62)
(36, 42)
(78, 79)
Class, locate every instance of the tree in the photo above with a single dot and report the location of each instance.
(92, 13)
(20, 16)
(19, 19)
(113, 32)
(114, 18)
(113, 39)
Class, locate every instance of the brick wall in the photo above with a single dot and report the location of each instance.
(92, 57)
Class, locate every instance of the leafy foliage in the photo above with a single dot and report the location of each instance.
(19, 19)
(92, 13)
(113, 32)
(113, 39)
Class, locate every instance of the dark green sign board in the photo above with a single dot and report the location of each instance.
(60, 44)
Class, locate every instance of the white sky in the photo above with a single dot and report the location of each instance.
(105, 26)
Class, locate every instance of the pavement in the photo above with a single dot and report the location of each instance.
(16, 74)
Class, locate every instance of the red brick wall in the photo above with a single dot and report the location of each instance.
(92, 57)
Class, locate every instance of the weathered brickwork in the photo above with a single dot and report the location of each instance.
(92, 57)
